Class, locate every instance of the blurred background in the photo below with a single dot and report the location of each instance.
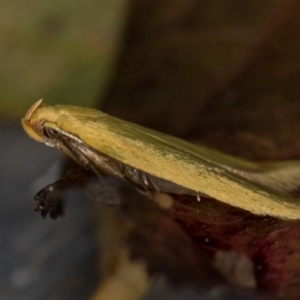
(223, 73)
(64, 52)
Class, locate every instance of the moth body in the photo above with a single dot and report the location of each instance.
(153, 160)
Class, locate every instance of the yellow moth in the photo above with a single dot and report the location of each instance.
(156, 161)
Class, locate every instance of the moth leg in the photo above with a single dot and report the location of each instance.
(50, 200)
(107, 165)
(86, 163)
(150, 183)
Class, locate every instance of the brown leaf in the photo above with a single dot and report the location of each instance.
(176, 53)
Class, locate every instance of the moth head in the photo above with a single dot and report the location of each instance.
(39, 123)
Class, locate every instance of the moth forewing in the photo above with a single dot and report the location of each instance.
(169, 158)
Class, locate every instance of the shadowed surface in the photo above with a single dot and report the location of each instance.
(40, 259)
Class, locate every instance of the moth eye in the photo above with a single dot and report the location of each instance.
(40, 128)
(50, 133)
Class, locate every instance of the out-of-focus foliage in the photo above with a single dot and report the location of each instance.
(61, 51)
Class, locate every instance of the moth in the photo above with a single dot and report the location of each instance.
(154, 161)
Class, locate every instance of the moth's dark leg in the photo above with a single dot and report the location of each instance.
(83, 154)
(74, 150)
(50, 200)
